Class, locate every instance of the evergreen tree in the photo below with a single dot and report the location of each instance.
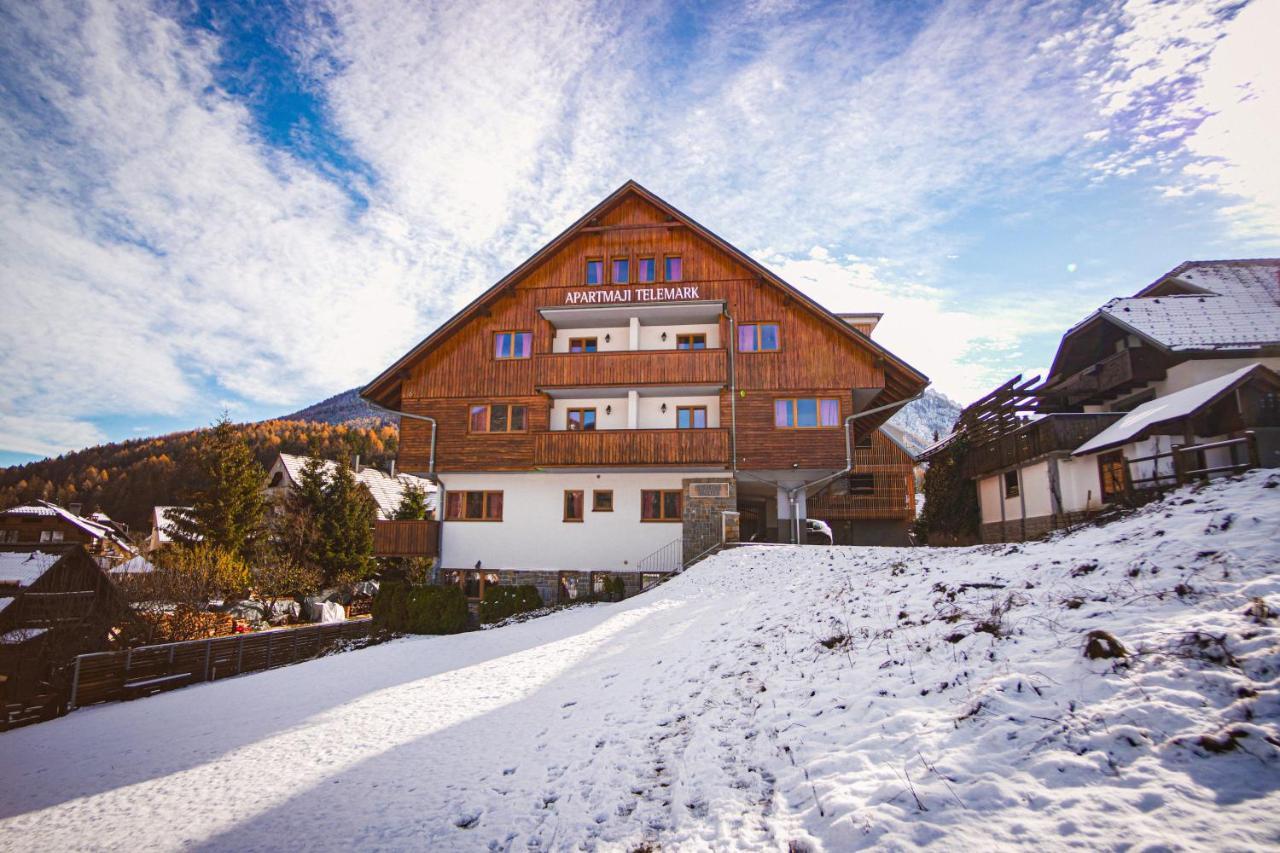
(951, 513)
(413, 504)
(228, 509)
(328, 523)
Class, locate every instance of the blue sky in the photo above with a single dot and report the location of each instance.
(252, 206)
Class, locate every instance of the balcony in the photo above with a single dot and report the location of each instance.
(1059, 432)
(405, 538)
(631, 367)
(631, 447)
(1113, 375)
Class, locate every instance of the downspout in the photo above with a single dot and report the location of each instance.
(431, 475)
(793, 494)
(733, 389)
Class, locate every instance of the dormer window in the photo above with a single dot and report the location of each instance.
(621, 270)
(595, 272)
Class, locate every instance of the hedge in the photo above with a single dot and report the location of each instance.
(420, 609)
(499, 602)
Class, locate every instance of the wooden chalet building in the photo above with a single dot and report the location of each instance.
(636, 386)
(1179, 381)
(44, 524)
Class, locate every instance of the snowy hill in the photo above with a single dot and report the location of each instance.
(343, 408)
(817, 698)
(933, 414)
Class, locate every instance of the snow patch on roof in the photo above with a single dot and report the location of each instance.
(24, 568)
(20, 635)
(387, 491)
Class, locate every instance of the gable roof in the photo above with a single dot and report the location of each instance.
(378, 388)
(95, 529)
(1199, 306)
(386, 490)
(23, 568)
(1172, 407)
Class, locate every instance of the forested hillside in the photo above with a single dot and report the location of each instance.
(126, 479)
(344, 408)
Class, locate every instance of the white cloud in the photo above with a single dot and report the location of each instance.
(965, 349)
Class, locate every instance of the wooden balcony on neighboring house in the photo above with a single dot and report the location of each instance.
(631, 367)
(406, 538)
(1114, 375)
(1058, 432)
(706, 447)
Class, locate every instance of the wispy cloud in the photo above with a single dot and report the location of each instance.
(164, 246)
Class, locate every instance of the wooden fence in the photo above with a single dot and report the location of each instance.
(142, 671)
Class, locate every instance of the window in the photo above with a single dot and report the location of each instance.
(512, 344)
(1112, 471)
(691, 341)
(595, 272)
(497, 417)
(862, 484)
(806, 413)
(602, 500)
(573, 505)
(691, 417)
(599, 584)
(51, 535)
(646, 270)
(582, 344)
(473, 506)
(758, 337)
(661, 505)
(672, 269)
(581, 419)
(621, 270)
(8, 536)
(648, 579)
(1011, 484)
(863, 441)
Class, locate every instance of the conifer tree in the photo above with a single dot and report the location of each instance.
(413, 504)
(330, 523)
(228, 509)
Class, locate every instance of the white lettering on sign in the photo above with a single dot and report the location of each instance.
(631, 294)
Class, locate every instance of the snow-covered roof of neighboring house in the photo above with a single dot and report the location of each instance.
(20, 635)
(162, 522)
(5, 601)
(133, 566)
(899, 437)
(1207, 305)
(1170, 407)
(24, 568)
(387, 491)
(96, 529)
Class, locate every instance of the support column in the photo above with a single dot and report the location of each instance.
(635, 334)
(633, 409)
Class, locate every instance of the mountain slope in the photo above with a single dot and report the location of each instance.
(927, 419)
(344, 408)
(812, 698)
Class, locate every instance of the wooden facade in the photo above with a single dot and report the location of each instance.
(819, 355)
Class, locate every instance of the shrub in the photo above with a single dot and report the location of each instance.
(420, 609)
(616, 588)
(502, 601)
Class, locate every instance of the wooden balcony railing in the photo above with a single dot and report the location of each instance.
(632, 367)
(632, 447)
(405, 538)
(893, 498)
(1115, 374)
(1053, 432)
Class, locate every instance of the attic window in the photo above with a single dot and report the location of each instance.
(595, 272)
(276, 478)
(673, 268)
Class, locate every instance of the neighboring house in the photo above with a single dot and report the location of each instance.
(1190, 360)
(386, 489)
(630, 393)
(53, 606)
(44, 524)
(162, 525)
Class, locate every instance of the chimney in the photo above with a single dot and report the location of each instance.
(75, 508)
(391, 467)
(355, 463)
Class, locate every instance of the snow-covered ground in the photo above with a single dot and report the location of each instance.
(824, 698)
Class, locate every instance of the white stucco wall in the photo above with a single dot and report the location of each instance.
(617, 419)
(650, 337)
(648, 410)
(1079, 483)
(534, 535)
(619, 338)
(1190, 373)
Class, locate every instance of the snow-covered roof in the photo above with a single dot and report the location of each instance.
(1225, 305)
(20, 635)
(95, 529)
(1170, 407)
(133, 566)
(387, 491)
(5, 601)
(24, 568)
(162, 522)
